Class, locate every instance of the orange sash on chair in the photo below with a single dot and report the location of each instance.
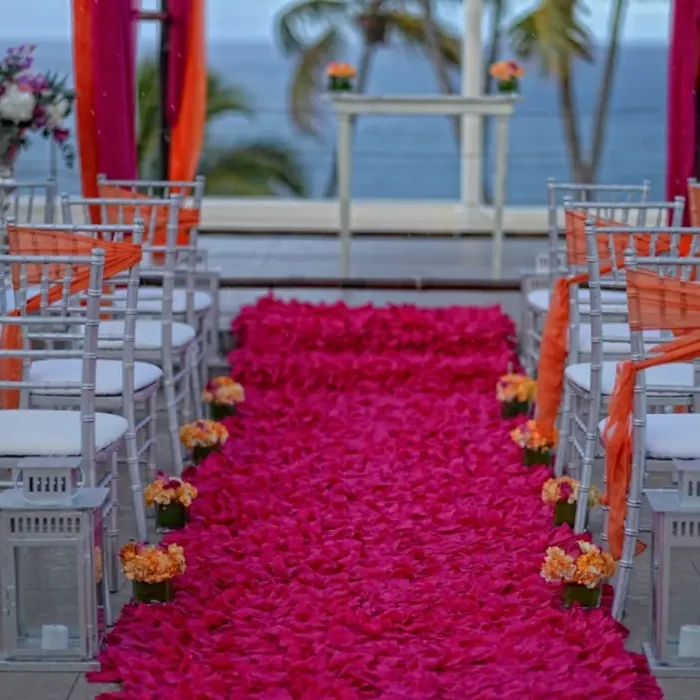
(664, 303)
(554, 346)
(27, 241)
(187, 217)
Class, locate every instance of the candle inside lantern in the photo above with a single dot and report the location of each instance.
(689, 642)
(54, 637)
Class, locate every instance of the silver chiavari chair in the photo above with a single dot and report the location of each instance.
(25, 432)
(599, 333)
(196, 294)
(123, 386)
(658, 438)
(537, 300)
(27, 202)
(160, 341)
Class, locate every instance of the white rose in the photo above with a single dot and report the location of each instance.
(57, 110)
(17, 105)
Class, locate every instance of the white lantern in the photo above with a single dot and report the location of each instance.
(54, 594)
(675, 524)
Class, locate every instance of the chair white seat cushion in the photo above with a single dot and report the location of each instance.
(616, 338)
(678, 374)
(538, 299)
(34, 433)
(671, 435)
(148, 335)
(150, 299)
(53, 373)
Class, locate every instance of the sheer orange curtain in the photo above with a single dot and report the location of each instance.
(24, 241)
(187, 136)
(659, 303)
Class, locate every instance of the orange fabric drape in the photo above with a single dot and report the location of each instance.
(664, 303)
(554, 345)
(24, 241)
(187, 137)
(85, 104)
(694, 205)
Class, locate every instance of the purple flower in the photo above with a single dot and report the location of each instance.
(61, 135)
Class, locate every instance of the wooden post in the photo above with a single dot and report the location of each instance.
(163, 17)
(164, 59)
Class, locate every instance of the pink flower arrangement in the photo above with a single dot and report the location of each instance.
(31, 102)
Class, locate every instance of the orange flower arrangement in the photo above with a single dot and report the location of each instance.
(516, 388)
(203, 433)
(341, 70)
(508, 74)
(224, 391)
(564, 489)
(590, 568)
(166, 490)
(528, 437)
(151, 563)
(504, 71)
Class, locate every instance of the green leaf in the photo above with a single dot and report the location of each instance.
(411, 28)
(308, 79)
(261, 167)
(298, 23)
(553, 33)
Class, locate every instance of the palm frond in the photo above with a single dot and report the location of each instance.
(148, 114)
(260, 167)
(298, 23)
(553, 33)
(224, 98)
(411, 28)
(307, 80)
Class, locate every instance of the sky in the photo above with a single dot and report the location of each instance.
(253, 19)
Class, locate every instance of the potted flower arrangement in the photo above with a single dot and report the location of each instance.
(151, 568)
(537, 448)
(340, 76)
(516, 392)
(223, 394)
(582, 573)
(202, 437)
(562, 493)
(507, 74)
(30, 102)
(171, 498)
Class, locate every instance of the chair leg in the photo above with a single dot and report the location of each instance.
(134, 468)
(172, 413)
(152, 433)
(112, 539)
(194, 359)
(586, 475)
(562, 457)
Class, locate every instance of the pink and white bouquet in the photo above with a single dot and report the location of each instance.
(31, 102)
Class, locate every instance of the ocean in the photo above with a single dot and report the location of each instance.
(416, 157)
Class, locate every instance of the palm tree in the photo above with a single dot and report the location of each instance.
(553, 33)
(315, 32)
(261, 167)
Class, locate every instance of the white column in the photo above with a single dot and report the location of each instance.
(472, 86)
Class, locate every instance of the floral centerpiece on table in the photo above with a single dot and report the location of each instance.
(202, 437)
(537, 447)
(30, 102)
(340, 76)
(171, 498)
(562, 493)
(582, 572)
(151, 568)
(507, 74)
(515, 392)
(223, 394)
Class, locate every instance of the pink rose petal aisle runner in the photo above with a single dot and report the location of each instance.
(369, 531)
